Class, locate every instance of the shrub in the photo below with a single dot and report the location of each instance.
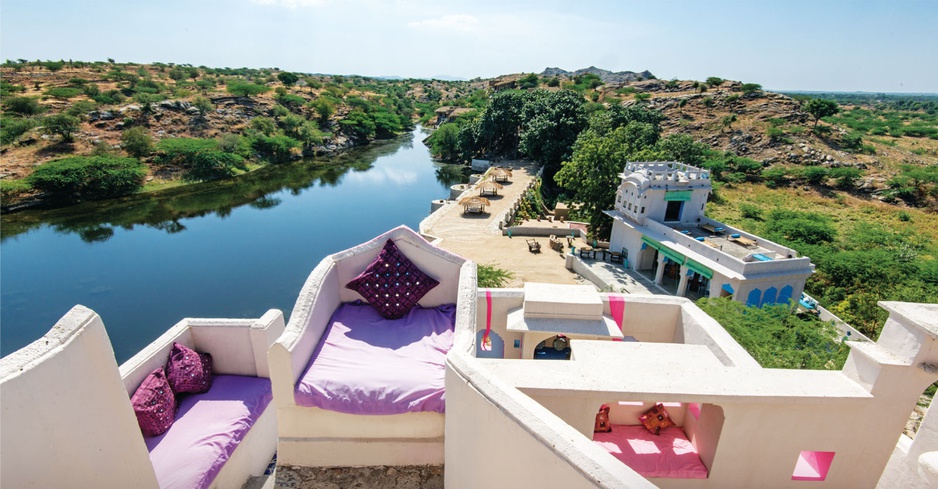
(88, 177)
(815, 174)
(81, 108)
(804, 227)
(287, 78)
(203, 105)
(265, 125)
(213, 164)
(62, 125)
(491, 276)
(774, 176)
(276, 148)
(12, 128)
(749, 88)
(12, 189)
(293, 102)
(714, 81)
(137, 142)
(62, 93)
(22, 105)
(750, 211)
(110, 97)
(245, 89)
(846, 176)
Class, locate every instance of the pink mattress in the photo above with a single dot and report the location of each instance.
(366, 364)
(207, 430)
(669, 454)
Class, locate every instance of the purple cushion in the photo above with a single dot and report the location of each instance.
(189, 370)
(154, 404)
(392, 284)
(207, 431)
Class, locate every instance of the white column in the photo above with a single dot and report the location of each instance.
(659, 274)
(682, 285)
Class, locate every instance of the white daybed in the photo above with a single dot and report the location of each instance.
(68, 420)
(344, 428)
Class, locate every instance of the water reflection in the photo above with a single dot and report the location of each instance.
(95, 221)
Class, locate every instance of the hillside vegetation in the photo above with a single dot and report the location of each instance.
(849, 180)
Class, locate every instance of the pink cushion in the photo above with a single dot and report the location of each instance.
(154, 404)
(669, 454)
(656, 419)
(189, 370)
(392, 284)
(208, 429)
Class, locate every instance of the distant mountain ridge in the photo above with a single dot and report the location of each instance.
(605, 75)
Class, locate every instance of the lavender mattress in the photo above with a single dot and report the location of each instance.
(207, 430)
(668, 455)
(366, 364)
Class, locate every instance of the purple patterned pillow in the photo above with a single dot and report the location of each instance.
(189, 370)
(392, 284)
(154, 404)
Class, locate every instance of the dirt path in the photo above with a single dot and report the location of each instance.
(477, 237)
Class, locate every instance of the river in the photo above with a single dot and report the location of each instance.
(233, 248)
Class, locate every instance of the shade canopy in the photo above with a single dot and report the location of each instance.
(474, 200)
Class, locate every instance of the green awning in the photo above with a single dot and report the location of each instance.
(672, 255)
(650, 242)
(697, 267)
(679, 195)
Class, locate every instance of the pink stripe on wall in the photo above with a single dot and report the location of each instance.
(617, 310)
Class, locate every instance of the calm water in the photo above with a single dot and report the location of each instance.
(228, 249)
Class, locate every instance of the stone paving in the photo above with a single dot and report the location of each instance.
(478, 237)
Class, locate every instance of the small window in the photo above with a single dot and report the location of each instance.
(643, 210)
(630, 206)
(812, 466)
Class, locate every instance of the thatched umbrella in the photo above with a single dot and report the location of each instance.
(489, 185)
(501, 174)
(474, 201)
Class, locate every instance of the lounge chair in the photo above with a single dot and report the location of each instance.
(533, 246)
(339, 401)
(68, 404)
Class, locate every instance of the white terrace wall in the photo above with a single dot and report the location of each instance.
(51, 435)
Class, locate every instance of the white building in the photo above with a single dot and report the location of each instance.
(660, 227)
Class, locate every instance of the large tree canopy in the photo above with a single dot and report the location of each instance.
(592, 176)
(552, 122)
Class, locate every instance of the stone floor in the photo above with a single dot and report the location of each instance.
(377, 477)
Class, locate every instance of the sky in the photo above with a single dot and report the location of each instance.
(820, 45)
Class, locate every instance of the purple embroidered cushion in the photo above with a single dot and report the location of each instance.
(189, 370)
(392, 284)
(154, 404)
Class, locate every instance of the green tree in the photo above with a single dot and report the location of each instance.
(553, 120)
(499, 126)
(591, 176)
(444, 143)
(287, 78)
(819, 108)
(61, 125)
(80, 177)
(137, 142)
(682, 148)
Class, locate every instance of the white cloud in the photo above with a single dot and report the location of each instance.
(291, 3)
(459, 22)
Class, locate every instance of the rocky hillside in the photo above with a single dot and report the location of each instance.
(605, 75)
